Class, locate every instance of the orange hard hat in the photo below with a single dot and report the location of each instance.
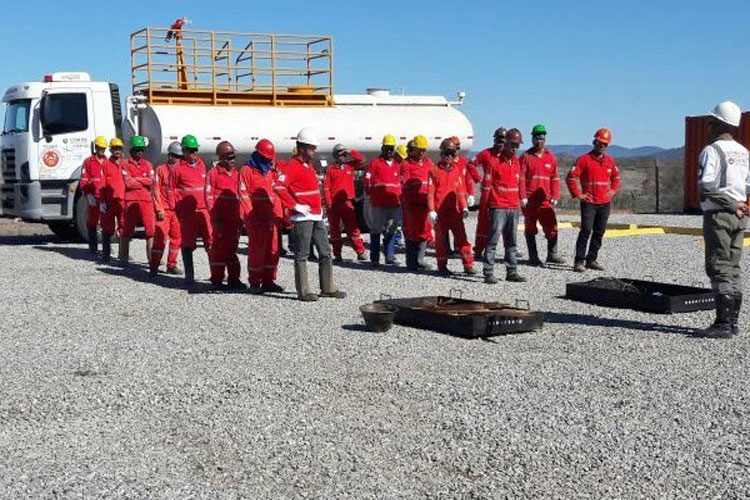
(603, 135)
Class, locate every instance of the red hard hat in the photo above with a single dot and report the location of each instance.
(456, 141)
(603, 135)
(266, 149)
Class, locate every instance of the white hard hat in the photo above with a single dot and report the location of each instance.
(308, 136)
(728, 112)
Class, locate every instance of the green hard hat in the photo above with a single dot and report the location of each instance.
(189, 142)
(539, 130)
(137, 141)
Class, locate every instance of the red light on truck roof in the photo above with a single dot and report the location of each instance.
(47, 78)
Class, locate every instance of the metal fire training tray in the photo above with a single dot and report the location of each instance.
(642, 295)
(463, 318)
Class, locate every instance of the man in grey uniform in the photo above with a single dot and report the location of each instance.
(724, 179)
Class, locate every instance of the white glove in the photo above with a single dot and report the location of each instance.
(103, 208)
(524, 203)
(554, 202)
(92, 199)
(470, 200)
(465, 213)
(302, 209)
(433, 216)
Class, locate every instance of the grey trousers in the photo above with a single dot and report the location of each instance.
(305, 232)
(723, 233)
(385, 219)
(503, 221)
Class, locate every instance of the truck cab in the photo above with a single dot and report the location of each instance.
(48, 132)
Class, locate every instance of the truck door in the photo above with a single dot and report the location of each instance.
(67, 124)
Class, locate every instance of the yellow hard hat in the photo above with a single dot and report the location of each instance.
(401, 150)
(389, 140)
(115, 143)
(100, 142)
(420, 142)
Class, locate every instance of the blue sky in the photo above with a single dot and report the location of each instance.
(636, 67)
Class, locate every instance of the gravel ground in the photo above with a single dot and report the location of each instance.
(680, 220)
(113, 386)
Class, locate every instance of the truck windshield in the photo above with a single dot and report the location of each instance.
(64, 113)
(17, 116)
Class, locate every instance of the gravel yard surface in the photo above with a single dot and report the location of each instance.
(115, 386)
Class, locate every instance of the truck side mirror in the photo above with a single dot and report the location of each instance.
(42, 105)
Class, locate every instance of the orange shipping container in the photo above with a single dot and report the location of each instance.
(696, 138)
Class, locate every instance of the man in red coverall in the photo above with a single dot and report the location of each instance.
(338, 188)
(113, 196)
(92, 180)
(485, 159)
(223, 203)
(446, 201)
(417, 227)
(539, 169)
(138, 176)
(501, 190)
(302, 195)
(382, 184)
(189, 183)
(166, 220)
(262, 213)
(600, 180)
(277, 169)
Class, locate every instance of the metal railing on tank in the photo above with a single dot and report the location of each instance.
(178, 66)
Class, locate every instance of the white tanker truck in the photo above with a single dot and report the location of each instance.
(214, 85)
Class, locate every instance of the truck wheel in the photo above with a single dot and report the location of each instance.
(80, 217)
(64, 230)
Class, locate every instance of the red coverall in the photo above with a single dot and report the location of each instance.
(472, 176)
(485, 159)
(139, 206)
(600, 178)
(542, 186)
(262, 213)
(92, 181)
(168, 227)
(446, 196)
(338, 188)
(113, 196)
(278, 169)
(223, 203)
(382, 183)
(188, 183)
(417, 226)
(503, 183)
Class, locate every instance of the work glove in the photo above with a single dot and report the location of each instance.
(553, 202)
(91, 199)
(103, 208)
(524, 203)
(465, 213)
(432, 216)
(470, 200)
(160, 215)
(302, 209)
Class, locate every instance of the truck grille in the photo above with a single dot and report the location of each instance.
(8, 179)
(8, 162)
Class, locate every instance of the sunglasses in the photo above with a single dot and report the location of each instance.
(190, 151)
(229, 156)
(449, 152)
(137, 150)
(514, 145)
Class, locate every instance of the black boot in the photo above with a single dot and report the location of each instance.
(187, 261)
(722, 327)
(553, 257)
(106, 247)
(93, 241)
(411, 255)
(737, 305)
(533, 254)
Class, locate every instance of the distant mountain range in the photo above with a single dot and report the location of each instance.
(619, 151)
